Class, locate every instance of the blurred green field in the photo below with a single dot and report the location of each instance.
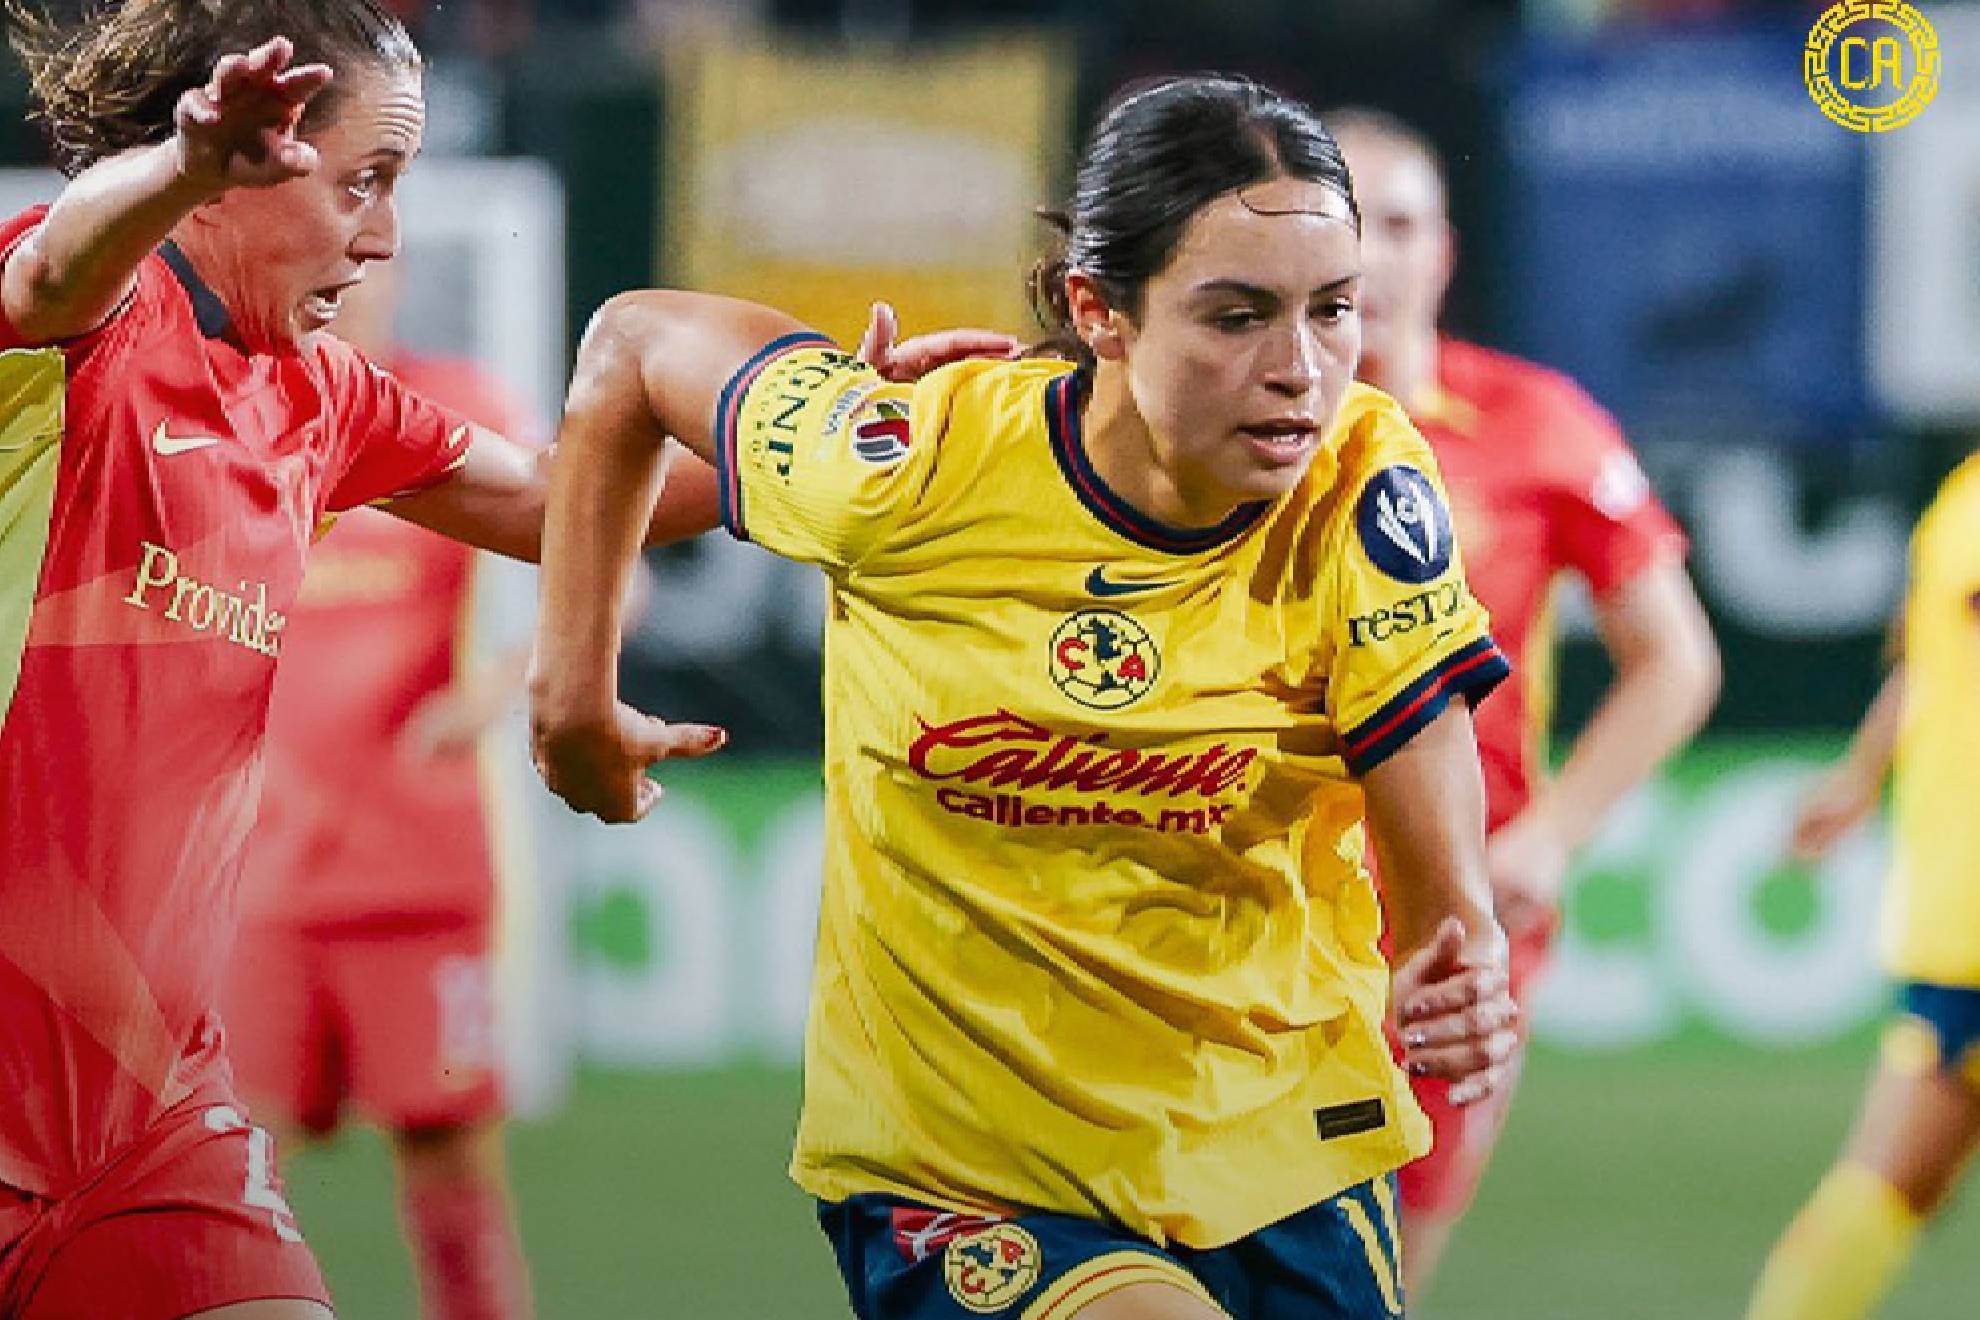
(1627, 1189)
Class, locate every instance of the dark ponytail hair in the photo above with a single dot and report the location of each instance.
(111, 79)
(1163, 150)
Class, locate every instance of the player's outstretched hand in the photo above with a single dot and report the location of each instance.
(1839, 802)
(1456, 1016)
(239, 129)
(911, 359)
(600, 768)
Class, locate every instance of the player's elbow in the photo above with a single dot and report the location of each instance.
(1682, 661)
(46, 303)
(622, 326)
(1705, 674)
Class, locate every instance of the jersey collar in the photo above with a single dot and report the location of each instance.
(1063, 398)
(209, 313)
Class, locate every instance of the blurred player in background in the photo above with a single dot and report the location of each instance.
(364, 972)
(1920, 1122)
(1097, 1025)
(1542, 484)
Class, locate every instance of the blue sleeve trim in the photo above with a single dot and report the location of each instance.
(729, 406)
(1470, 672)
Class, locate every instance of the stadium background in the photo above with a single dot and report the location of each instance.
(1785, 315)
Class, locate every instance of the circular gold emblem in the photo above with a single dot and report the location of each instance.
(991, 1268)
(1871, 65)
(1103, 659)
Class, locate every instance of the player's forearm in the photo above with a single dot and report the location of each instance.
(1426, 813)
(604, 486)
(495, 501)
(1873, 747)
(71, 274)
(689, 503)
(1660, 697)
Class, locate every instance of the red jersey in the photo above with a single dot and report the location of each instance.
(158, 491)
(354, 827)
(1541, 482)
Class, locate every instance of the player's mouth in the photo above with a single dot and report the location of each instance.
(1282, 440)
(320, 307)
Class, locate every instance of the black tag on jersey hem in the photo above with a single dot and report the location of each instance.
(1349, 1119)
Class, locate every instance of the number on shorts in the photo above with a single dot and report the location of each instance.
(259, 1192)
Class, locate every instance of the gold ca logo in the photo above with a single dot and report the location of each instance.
(1871, 65)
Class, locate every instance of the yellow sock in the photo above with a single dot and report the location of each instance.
(1842, 1252)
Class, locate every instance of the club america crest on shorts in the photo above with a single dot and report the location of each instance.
(989, 1270)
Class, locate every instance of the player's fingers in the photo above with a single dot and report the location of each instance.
(646, 795)
(662, 741)
(922, 354)
(1450, 994)
(1815, 832)
(1457, 1062)
(1481, 1085)
(301, 83)
(294, 157)
(271, 56)
(1441, 957)
(227, 72)
(196, 107)
(1473, 1022)
(620, 800)
(877, 344)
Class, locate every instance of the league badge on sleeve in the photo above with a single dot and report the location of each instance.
(1404, 525)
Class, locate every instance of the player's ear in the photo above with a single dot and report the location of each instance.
(1094, 320)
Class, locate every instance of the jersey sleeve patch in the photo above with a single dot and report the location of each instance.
(819, 459)
(1408, 633)
(1405, 525)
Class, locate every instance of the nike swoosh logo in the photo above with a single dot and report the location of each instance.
(1098, 584)
(179, 444)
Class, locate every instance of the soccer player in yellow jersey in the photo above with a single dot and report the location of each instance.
(1921, 1120)
(1122, 652)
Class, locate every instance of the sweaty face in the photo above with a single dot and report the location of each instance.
(288, 253)
(1246, 342)
(1405, 241)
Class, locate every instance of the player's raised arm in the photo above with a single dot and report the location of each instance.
(497, 499)
(238, 130)
(653, 365)
(1426, 811)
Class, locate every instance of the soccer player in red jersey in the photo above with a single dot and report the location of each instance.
(1542, 484)
(364, 969)
(173, 428)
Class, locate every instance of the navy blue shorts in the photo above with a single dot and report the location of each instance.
(1337, 1260)
(1938, 1026)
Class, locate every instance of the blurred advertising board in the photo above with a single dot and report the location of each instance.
(819, 178)
(1686, 232)
(692, 931)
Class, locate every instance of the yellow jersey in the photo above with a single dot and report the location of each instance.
(1932, 908)
(1096, 934)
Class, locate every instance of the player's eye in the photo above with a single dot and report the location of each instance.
(364, 185)
(1333, 311)
(1237, 319)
